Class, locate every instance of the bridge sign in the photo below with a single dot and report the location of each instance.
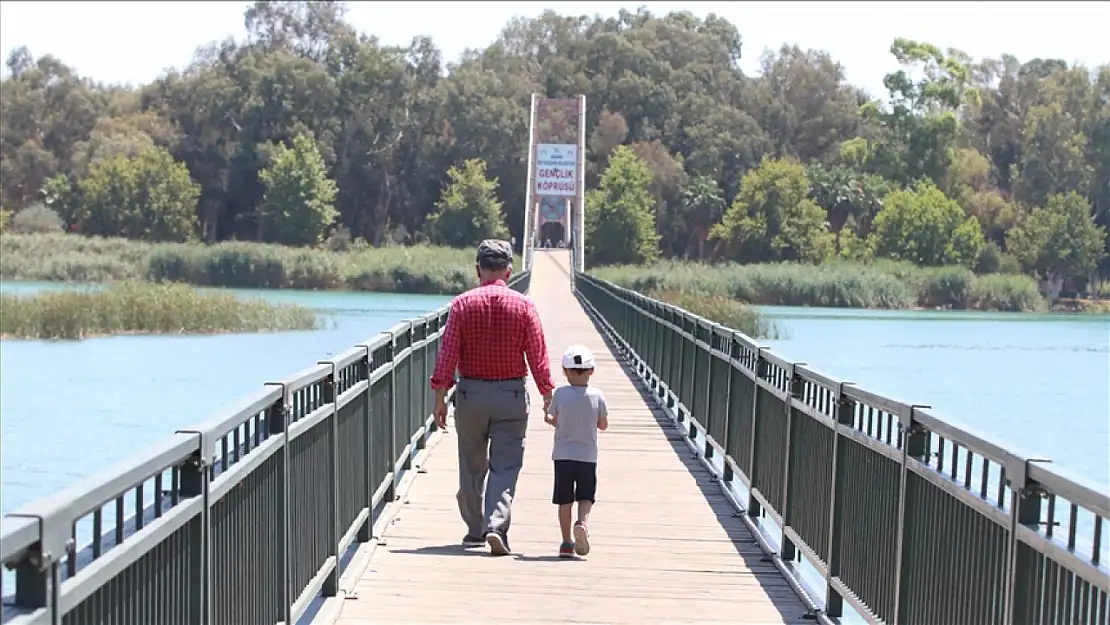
(557, 169)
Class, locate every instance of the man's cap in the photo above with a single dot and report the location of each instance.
(494, 253)
(578, 357)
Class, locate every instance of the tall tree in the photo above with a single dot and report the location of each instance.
(297, 206)
(923, 226)
(773, 218)
(620, 225)
(148, 197)
(1060, 241)
(468, 211)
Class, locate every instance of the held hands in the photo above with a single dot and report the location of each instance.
(547, 418)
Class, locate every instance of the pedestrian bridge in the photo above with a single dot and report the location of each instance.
(734, 486)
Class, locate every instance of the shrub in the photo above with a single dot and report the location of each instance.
(990, 259)
(1005, 292)
(1009, 264)
(946, 287)
(143, 308)
(36, 219)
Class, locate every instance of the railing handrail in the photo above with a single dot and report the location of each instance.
(915, 438)
(40, 536)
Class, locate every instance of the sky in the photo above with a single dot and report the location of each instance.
(134, 42)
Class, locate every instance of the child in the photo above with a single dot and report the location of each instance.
(577, 411)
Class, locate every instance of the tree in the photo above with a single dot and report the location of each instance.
(667, 179)
(1052, 160)
(847, 195)
(702, 206)
(468, 211)
(60, 195)
(620, 224)
(773, 218)
(805, 105)
(610, 132)
(297, 206)
(149, 196)
(925, 227)
(920, 127)
(1060, 241)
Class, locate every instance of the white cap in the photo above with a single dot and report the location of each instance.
(578, 357)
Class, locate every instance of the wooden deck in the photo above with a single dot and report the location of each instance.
(665, 545)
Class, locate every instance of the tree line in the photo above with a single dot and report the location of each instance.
(307, 128)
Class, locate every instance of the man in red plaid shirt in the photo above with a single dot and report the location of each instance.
(490, 332)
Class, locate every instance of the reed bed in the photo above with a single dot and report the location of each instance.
(722, 310)
(882, 285)
(139, 308)
(75, 258)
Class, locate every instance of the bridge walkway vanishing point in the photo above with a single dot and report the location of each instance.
(667, 545)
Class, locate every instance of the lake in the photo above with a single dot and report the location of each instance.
(68, 409)
(71, 408)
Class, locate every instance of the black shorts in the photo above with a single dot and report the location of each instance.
(574, 481)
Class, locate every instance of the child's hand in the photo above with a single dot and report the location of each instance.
(549, 419)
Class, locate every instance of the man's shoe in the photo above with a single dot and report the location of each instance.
(470, 540)
(498, 545)
(581, 539)
(566, 550)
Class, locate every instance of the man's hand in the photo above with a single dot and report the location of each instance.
(440, 412)
(546, 404)
(549, 419)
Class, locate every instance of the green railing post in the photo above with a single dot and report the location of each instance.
(403, 396)
(391, 419)
(331, 583)
(194, 483)
(755, 510)
(366, 530)
(33, 577)
(845, 409)
(796, 390)
(730, 400)
(1022, 564)
(915, 446)
(277, 421)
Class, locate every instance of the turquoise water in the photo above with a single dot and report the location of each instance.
(1038, 382)
(71, 408)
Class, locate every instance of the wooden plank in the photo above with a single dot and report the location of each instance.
(665, 545)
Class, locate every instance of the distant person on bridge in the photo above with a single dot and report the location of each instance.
(490, 332)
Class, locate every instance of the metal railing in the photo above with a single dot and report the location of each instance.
(908, 518)
(243, 519)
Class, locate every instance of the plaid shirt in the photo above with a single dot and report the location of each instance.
(489, 332)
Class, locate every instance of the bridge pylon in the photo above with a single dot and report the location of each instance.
(556, 188)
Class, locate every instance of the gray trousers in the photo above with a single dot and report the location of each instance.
(491, 419)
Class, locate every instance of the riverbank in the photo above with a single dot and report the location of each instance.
(137, 308)
(76, 258)
(882, 285)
